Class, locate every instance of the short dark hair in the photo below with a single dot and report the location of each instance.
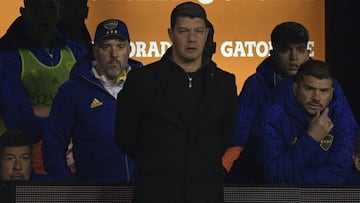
(28, 2)
(187, 9)
(316, 68)
(289, 33)
(15, 138)
(210, 45)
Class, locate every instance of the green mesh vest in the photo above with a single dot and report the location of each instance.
(40, 81)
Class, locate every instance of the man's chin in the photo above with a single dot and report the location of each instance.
(311, 112)
(292, 72)
(17, 179)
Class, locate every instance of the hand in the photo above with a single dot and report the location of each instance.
(42, 111)
(320, 125)
(230, 155)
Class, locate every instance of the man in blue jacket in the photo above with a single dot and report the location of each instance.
(353, 177)
(84, 110)
(36, 60)
(289, 42)
(306, 131)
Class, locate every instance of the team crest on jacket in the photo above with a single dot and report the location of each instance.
(326, 142)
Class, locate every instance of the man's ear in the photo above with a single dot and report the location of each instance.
(272, 52)
(87, 12)
(129, 48)
(170, 34)
(22, 11)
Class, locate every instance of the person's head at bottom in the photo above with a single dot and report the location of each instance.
(16, 159)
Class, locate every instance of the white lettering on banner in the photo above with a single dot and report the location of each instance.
(139, 49)
(227, 48)
(311, 46)
(246, 48)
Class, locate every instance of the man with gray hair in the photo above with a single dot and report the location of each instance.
(84, 111)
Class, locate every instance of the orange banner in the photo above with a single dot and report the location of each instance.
(242, 27)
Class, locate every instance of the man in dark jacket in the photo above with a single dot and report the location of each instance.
(175, 117)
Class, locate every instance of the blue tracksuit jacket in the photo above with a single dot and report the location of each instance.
(289, 155)
(256, 89)
(84, 111)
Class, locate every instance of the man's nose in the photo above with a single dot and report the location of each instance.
(17, 165)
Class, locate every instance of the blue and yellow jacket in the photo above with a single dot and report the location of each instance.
(85, 112)
(288, 153)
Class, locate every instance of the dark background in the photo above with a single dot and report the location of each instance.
(342, 28)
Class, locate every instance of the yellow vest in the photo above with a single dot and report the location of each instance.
(40, 81)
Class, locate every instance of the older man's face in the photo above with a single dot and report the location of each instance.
(16, 163)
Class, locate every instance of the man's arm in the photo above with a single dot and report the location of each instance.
(16, 109)
(248, 103)
(233, 152)
(128, 114)
(57, 136)
(290, 155)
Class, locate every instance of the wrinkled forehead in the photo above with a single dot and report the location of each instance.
(315, 82)
(188, 22)
(17, 151)
(291, 45)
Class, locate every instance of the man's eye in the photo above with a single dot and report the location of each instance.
(200, 31)
(9, 158)
(105, 47)
(310, 88)
(25, 158)
(283, 50)
(302, 49)
(325, 91)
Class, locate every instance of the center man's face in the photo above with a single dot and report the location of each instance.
(188, 37)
